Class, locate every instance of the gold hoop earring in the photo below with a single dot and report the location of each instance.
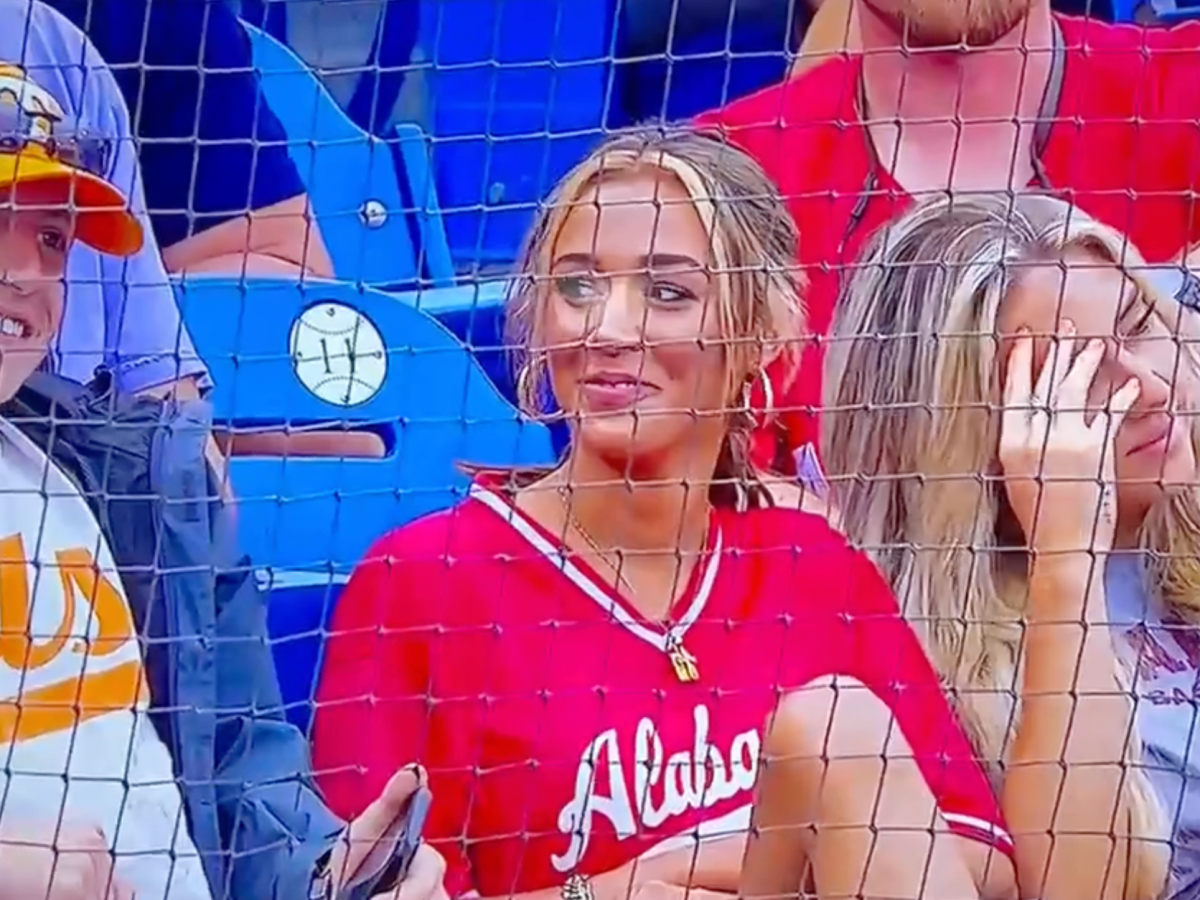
(522, 384)
(528, 393)
(768, 391)
(768, 409)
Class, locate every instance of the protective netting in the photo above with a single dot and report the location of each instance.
(736, 447)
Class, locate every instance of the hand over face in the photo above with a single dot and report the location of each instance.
(1059, 464)
(661, 890)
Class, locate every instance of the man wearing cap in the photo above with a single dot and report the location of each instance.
(97, 801)
(89, 777)
(120, 310)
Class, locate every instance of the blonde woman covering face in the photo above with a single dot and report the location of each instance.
(1015, 446)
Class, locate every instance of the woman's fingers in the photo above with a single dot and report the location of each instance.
(1077, 385)
(1055, 369)
(1018, 383)
(1120, 405)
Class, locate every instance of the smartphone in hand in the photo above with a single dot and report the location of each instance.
(392, 856)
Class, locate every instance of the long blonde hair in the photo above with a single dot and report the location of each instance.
(754, 247)
(910, 438)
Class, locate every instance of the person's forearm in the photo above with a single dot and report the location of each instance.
(619, 884)
(254, 264)
(718, 865)
(713, 866)
(1062, 795)
(281, 240)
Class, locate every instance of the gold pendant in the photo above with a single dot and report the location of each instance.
(686, 668)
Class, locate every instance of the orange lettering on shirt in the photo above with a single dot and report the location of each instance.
(63, 705)
(18, 648)
(114, 623)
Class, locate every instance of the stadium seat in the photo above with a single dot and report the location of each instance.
(378, 88)
(1165, 11)
(375, 201)
(1177, 10)
(676, 72)
(269, 15)
(330, 355)
(517, 92)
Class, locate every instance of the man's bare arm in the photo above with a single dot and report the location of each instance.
(279, 240)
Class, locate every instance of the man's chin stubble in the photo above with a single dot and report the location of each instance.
(917, 37)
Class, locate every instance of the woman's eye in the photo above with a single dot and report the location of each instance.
(1140, 327)
(670, 293)
(576, 288)
(54, 239)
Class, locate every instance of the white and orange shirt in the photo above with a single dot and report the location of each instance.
(76, 742)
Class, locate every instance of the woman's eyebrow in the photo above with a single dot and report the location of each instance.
(673, 261)
(649, 263)
(575, 260)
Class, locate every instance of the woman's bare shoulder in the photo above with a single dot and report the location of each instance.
(789, 494)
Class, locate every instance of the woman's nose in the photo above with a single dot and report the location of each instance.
(621, 318)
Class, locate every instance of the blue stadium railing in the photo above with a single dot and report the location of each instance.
(331, 357)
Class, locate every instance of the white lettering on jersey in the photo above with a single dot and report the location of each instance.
(697, 778)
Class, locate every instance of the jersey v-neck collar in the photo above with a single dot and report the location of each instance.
(693, 601)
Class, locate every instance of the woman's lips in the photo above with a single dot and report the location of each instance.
(606, 394)
(1156, 442)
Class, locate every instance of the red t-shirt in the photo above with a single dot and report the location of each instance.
(1124, 145)
(556, 734)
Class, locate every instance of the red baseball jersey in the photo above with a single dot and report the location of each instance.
(558, 737)
(1122, 142)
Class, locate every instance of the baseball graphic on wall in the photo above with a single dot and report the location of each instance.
(338, 354)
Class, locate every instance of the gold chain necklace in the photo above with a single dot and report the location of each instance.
(685, 665)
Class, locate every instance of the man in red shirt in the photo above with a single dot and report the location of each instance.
(974, 95)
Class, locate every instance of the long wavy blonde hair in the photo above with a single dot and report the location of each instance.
(910, 438)
(754, 248)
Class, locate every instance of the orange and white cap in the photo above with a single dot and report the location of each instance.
(38, 148)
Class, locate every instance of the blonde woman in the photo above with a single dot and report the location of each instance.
(1010, 435)
(590, 659)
